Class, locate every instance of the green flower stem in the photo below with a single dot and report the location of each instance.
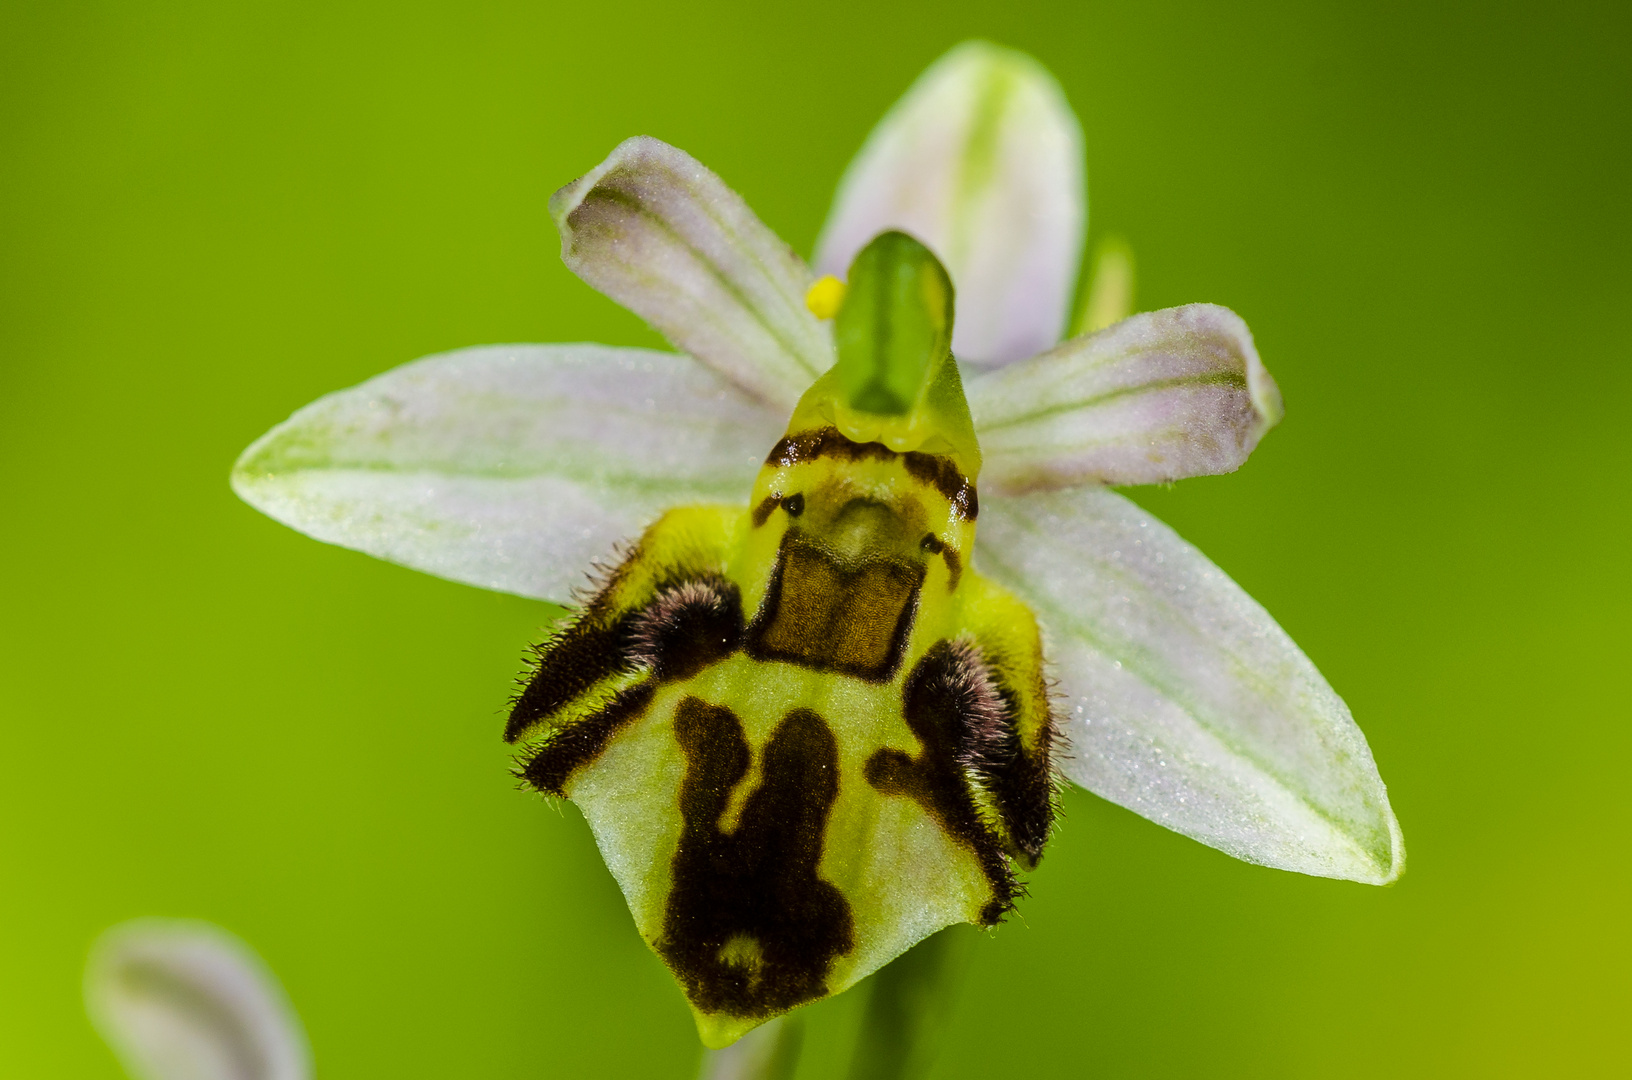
(910, 1006)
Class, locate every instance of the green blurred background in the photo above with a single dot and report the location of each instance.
(212, 214)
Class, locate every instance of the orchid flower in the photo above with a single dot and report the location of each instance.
(1070, 618)
(185, 1000)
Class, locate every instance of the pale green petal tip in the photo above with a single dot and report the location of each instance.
(1382, 864)
(1378, 859)
(564, 199)
(1381, 861)
(769, 1052)
(1396, 866)
(718, 1031)
(1262, 389)
(285, 449)
(567, 198)
(983, 59)
(1266, 395)
(258, 463)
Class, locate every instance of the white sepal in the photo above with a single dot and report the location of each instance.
(512, 467)
(1181, 698)
(182, 1000)
(982, 161)
(1156, 397)
(666, 238)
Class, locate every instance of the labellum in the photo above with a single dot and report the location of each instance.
(805, 731)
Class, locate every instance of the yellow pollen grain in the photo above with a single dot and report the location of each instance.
(825, 296)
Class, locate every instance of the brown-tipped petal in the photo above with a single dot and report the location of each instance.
(1156, 397)
(660, 234)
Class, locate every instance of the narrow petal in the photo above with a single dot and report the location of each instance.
(1181, 698)
(512, 467)
(1156, 397)
(982, 161)
(660, 234)
(1109, 298)
(184, 1000)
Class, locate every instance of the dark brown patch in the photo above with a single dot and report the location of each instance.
(943, 476)
(934, 545)
(762, 512)
(687, 627)
(934, 469)
(952, 716)
(684, 628)
(578, 744)
(565, 666)
(751, 930)
(822, 614)
(1022, 783)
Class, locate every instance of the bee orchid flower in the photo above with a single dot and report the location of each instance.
(867, 589)
(179, 999)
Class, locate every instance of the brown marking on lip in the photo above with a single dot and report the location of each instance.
(751, 929)
(762, 512)
(951, 710)
(832, 617)
(576, 745)
(936, 470)
(685, 628)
